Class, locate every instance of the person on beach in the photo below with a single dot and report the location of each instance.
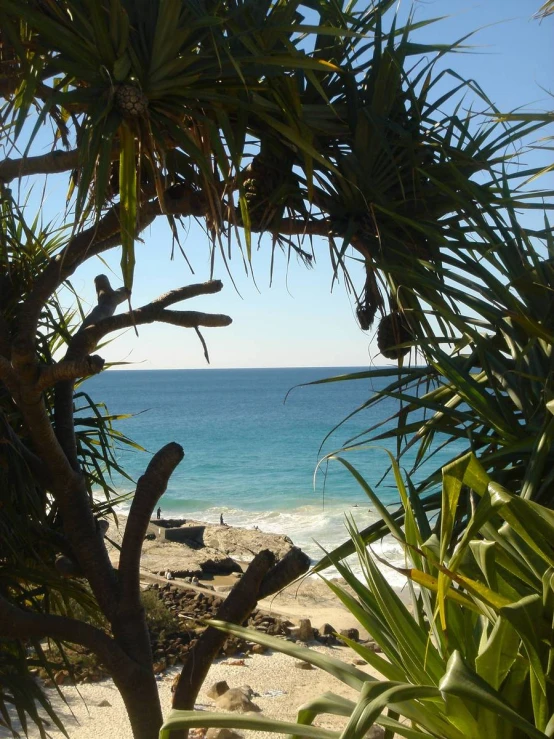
(159, 513)
(221, 522)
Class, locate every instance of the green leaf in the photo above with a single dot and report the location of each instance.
(461, 682)
(128, 202)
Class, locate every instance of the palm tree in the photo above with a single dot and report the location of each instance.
(247, 114)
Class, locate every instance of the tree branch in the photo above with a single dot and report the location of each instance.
(187, 292)
(88, 337)
(262, 578)
(151, 486)
(238, 605)
(294, 564)
(108, 300)
(15, 623)
(56, 161)
(88, 243)
(69, 370)
(76, 365)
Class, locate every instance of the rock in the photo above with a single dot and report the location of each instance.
(328, 630)
(359, 662)
(104, 704)
(60, 676)
(305, 631)
(235, 700)
(304, 666)
(258, 649)
(217, 689)
(352, 634)
(376, 732)
(182, 561)
(237, 663)
(374, 646)
(241, 544)
(223, 734)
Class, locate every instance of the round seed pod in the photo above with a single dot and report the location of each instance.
(130, 101)
(365, 314)
(393, 330)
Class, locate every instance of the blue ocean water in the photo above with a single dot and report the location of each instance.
(249, 454)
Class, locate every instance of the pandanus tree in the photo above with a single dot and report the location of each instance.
(297, 120)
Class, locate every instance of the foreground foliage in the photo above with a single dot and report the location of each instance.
(473, 655)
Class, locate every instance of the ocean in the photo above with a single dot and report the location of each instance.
(250, 454)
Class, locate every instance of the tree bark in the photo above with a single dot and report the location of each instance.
(139, 691)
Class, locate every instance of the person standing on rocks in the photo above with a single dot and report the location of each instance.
(221, 522)
(159, 513)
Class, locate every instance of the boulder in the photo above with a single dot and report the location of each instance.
(195, 549)
(235, 699)
(241, 544)
(181, 560)
(328, 630)
(305, 630)
(352, 634)
(217, 689)
(304, 666)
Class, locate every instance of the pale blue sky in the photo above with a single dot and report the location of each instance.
(297, 321)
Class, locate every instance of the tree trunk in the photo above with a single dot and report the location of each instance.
(140, 695)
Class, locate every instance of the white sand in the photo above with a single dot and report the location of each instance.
(281, 686)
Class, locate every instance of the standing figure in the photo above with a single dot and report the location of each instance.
(221, 519)
(159, 513)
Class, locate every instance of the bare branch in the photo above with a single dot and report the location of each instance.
(236, 608)
(69, 370)
(192, 319)
(151, 486)
(56, 161)
(187, 292)
(294, 564)
(88, 243)
(88, 337)
(76, 365)
(108, 300)
(260, 580)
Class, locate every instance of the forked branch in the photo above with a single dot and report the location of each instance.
(88, 337)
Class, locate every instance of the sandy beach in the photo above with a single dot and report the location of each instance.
(279, 689)
(279, 685)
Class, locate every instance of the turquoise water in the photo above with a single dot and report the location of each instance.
(249, 454)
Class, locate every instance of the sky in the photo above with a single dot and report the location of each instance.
(298, 320)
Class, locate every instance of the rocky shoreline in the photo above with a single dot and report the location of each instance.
(204, 561)
(187, 548)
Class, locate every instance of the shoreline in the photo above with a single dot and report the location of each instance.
(279, 686)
